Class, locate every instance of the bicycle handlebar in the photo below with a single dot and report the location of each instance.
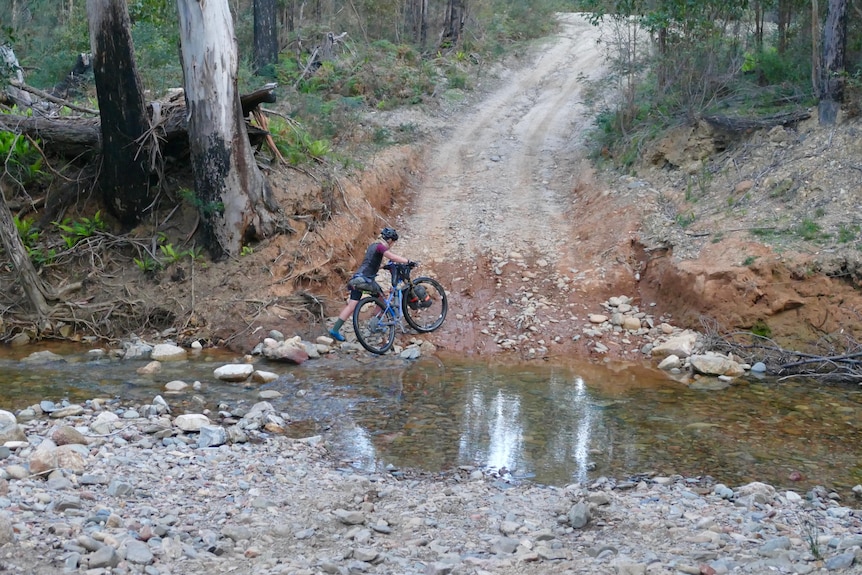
(400, 271)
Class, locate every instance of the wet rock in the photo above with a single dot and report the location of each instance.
(168, 352)
(712, 364)
(235, 372)
(290, 350)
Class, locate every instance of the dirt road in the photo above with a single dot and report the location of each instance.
(501, 181)
(508, 213)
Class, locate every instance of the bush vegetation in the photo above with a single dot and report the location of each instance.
(674, 61)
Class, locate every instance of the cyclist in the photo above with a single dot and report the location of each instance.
(365, 276)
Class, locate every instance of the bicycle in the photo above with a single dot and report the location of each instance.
(421, 302)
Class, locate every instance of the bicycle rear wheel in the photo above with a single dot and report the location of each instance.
(428, 315)
(374, 326)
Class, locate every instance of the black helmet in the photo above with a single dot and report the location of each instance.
(389, 234)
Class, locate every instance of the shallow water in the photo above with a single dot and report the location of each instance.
(550, 424)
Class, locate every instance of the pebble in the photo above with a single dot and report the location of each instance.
(273, 505)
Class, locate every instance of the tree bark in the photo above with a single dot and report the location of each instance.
(456, 14)
(832, 67)
(265, 37)
(27, 276)
(235, 201)
(785, 13)
(125, 175)
(11, 69)
(417, 21)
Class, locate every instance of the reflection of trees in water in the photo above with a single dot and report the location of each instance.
(547, 423)
(553, 424)
(492, 429)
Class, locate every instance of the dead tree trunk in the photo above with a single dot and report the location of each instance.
(11, 70)
(27, 276)
(456, 15)
(417, 21)
(832, 61)
(265, 36)
(125, 175)
(234, 199)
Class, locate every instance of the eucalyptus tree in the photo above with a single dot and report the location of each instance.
(234, 199)
(125, 174)
(453, 25)
(265, 36)
(831, 84)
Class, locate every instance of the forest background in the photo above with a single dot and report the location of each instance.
(741, 64)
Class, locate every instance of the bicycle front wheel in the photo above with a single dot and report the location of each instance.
(429, 314)
(374, 325)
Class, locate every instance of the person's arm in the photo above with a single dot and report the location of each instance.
(395, 257)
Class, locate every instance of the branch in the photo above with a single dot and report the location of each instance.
(50, 98)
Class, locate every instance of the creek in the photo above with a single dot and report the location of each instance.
(545, 423)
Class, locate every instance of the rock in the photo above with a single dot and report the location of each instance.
(68, 411)
(176, 386)
(168, 352)
(234, 372)
(715, 365)
(291, 350)
(259, 376)
(759, 367)
(579, 515)
(211, 436)
(670, 362)
(597, 318)
(151, 368)
(7, 533)
(191, 421)
(72, 457)
(631, 323)
(11, 432)
(7, 417)
(138, 553)
(44, 458)
(66, 435)
(349, 517)
(681, 345)
(104, 423)
(41, 357)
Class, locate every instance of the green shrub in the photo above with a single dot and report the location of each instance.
(761, 328)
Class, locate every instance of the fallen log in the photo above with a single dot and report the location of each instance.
(74, 136)
(739, 125)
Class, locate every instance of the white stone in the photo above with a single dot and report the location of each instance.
(191, 421)
(168, 352)
(259, 376)
(176, 385)
(233, 372)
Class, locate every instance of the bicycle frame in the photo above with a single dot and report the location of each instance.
(393, 300)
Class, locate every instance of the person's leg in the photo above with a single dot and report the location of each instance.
(345, 314)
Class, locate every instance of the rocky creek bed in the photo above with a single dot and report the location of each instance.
(104, 487)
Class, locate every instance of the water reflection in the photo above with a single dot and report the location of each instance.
(493, 434)
(549, 423)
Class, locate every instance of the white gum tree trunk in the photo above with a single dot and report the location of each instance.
(234, 198)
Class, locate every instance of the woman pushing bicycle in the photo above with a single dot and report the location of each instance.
(364, 278)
